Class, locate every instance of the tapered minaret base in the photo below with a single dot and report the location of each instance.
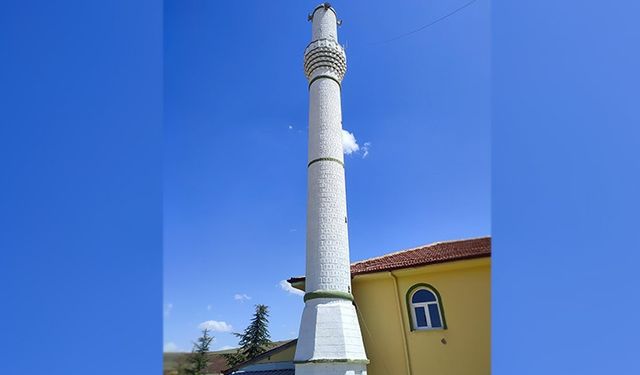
(330, 341)
(331, 368)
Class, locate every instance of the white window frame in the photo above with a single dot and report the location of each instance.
(425, 305)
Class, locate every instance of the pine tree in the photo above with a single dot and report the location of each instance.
(255, 339)
(199, 359)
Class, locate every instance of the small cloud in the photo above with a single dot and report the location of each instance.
(167, 309)
(241, 297)
(289, 289)
(216, 326)
(290, 127)
(208, 307)
(349, 143)
(170, 347)
(226, 347)
(292, 230)
(365, 149)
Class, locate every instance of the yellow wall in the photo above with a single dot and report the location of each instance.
(465, 289)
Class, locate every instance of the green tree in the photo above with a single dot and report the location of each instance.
(198, 358)
(255, 339)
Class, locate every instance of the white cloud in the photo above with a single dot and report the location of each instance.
(208, 307)
(226, 347)
(290, 127)
(170, 347)
(289, 289)
(241, 297)
(349, 143)
(167, 309)
(365, 149)
(216, 326)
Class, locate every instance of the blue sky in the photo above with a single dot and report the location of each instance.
(81, 203)
(235, 110)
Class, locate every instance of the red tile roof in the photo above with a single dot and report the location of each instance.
(439, 252)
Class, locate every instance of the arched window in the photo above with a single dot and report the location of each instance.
(425, 308)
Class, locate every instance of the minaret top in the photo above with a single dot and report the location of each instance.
(325, 22)
(325, 6)
(324, 57)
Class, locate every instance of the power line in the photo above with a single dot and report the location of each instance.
(429, 24)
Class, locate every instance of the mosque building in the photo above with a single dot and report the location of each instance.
(425, 310)
(420, 311)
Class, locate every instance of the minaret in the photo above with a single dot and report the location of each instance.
(330, 342)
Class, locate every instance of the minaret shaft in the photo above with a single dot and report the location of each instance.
(330, 341)
(327, 236)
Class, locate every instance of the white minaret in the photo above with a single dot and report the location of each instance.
(330, 342)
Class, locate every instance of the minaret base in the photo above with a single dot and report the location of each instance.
(330, 341)
(336, 368)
